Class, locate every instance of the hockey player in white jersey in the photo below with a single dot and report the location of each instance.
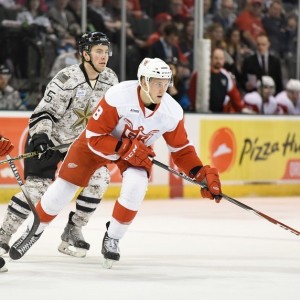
(69, 100)
(289, 100)
(129, 119)
(262, 101)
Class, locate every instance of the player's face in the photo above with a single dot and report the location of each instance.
(293, 95)
(157, 88)
(267, 91)
(4, 81)
(99, 55)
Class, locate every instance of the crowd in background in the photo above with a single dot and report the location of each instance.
(253, 46)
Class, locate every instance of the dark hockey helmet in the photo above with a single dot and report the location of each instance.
(89, 39)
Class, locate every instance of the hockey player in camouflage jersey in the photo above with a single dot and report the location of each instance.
(69, 100)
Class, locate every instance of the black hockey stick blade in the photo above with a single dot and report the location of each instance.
(34, 153)
(234, 201)
(36, 221)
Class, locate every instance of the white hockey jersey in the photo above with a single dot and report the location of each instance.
(122, 113)
(68, 103)
(255, 102)
(288, 106)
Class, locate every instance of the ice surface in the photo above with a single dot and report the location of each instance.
(174, 249)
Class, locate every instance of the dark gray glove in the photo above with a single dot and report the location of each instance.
(40, 143)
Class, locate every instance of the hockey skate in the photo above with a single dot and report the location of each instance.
(4, 241)
(73, 242)
(110, 251)
(18, 249)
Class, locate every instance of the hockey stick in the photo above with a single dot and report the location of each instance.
(34, 153)
(242, 205)
(36, 220)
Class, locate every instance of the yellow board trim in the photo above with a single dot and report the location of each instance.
(163, 192)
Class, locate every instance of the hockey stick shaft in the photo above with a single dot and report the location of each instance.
(232, 200)
(36, 221)
(34, 153)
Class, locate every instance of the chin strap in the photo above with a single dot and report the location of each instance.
(147, 92)
(92, 65)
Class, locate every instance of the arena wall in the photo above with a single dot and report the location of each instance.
(256, 156)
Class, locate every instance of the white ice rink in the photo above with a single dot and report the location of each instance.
(175, 249)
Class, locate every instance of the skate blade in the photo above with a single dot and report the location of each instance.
(67, 249)
(108, 263)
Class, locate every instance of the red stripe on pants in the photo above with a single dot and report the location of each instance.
(122, 214)
(44, 217)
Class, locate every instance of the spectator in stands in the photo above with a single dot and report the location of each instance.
(249, 21)
(167, 46)
(99, 19)
(43, 4)
(75, 8)
(179, 88)
(225, 15)
(186, 42)
(32, 15)
(161, 20)
(207, 15)
(188, 8)
(289, 100)
(259, 64)
(238, 52)
(224, 95)
(9, 97)
(133, 52)
(262, 101)
(134, 7)
(289, 42)
(217, 38)
(215, 33)
(39, 40)
(290, 6)
(64, 25)
(11, 5)
(63, 60)
(153, 8)
(176, 10)
(274, 22)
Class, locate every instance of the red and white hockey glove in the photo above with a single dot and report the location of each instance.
(136, 153)
(5, 146)
(210, 178)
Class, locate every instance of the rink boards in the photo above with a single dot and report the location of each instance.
(255, 155)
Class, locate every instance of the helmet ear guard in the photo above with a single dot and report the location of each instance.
(89, 39)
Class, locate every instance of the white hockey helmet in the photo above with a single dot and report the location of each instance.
(293, 85)
(267, 81)
(154, 68)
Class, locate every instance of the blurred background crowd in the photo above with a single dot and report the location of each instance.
(253, 48)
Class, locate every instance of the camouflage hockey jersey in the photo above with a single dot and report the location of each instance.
(68, 103)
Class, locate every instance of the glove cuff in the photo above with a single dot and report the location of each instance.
(123, 146)
(193, 172)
